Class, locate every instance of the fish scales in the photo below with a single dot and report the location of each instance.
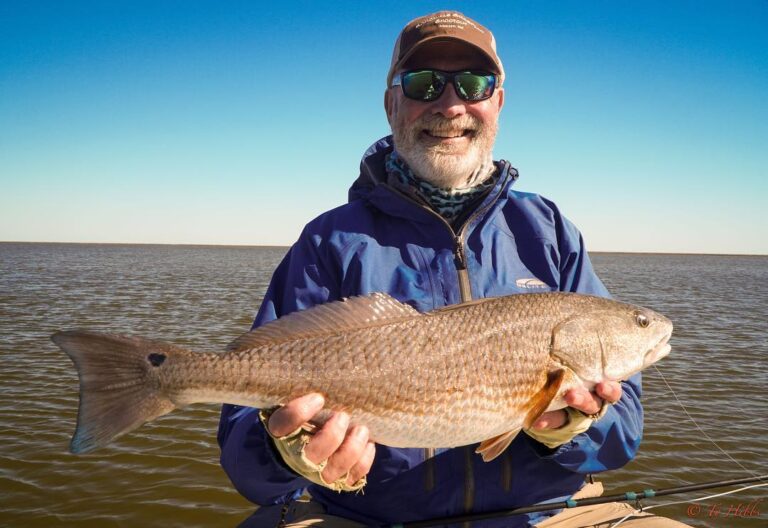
(404, 394)
(455, 376)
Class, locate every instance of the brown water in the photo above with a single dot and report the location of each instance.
(167, 473)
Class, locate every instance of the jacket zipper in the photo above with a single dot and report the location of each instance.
(459, 256)
(460, 261)
(465, 291)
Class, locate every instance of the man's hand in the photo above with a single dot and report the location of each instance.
(346, 449)
(583, 400)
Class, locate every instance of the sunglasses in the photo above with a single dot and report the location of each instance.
(428, 85)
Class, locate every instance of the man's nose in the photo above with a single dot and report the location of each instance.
(449, 104)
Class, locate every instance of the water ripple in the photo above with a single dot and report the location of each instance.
(167, 472)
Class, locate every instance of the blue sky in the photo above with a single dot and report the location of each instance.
(238, 122)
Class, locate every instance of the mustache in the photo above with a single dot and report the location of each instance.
(439, 124)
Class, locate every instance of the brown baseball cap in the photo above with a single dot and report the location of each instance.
(443, 25)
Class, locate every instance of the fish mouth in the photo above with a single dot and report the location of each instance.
(661, 350)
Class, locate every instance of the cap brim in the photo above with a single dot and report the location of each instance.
(438, 38)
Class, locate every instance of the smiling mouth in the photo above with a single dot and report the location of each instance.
(448, 134)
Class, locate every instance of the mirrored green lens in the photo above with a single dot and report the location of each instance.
(423, 85)
(473, 86)
(428, 85)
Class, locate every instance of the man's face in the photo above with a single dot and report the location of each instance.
(444, 141)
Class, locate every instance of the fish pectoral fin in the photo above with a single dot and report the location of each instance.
(493, 447)
(544, 397)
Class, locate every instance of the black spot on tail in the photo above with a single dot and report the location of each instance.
(156, 359)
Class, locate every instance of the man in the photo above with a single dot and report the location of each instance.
(432, 220)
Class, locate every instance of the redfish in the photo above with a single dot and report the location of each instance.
(474, 372)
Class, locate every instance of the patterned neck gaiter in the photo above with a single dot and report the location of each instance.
(448, 203)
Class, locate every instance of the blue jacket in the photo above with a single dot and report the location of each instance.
(382, 241)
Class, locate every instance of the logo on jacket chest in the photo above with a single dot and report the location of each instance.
(531, 284)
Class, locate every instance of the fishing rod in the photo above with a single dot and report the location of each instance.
(630, 496)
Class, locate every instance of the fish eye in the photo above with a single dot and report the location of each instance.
(642, 320)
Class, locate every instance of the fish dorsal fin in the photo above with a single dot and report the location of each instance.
(328, 318)
(544, 397)
(493, 447)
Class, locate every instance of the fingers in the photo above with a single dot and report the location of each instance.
(348, 451)
(354, 452)
(591, 403)
(551, 420)
(363, 466)
(610, 391)
(328, 438)
(583, 400)
(294, 413)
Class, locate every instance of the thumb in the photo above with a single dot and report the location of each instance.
(295, 413)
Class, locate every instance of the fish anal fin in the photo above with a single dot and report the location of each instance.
(493, 447)
(332, 317)
(544, 397)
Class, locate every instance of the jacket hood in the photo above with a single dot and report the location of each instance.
(371, 169)
(372, 172)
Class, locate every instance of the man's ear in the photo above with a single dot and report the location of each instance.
(389, 105)
(500, 92)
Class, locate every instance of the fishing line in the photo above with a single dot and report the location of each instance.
(680, 403)
(630, 496)
(688, 501)
(699, 443)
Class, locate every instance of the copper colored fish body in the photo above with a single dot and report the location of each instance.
(459, 375)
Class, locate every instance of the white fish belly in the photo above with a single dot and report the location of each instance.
(397, 429)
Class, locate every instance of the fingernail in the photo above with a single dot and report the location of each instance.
(343, 420)
(316, 400)
(361, 432)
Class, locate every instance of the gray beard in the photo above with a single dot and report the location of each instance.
(444, 166)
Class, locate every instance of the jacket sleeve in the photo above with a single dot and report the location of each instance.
(247, 454)
(613, 440)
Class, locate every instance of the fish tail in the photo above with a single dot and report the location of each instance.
(119, 384)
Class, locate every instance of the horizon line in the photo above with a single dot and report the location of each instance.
(187, 244)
